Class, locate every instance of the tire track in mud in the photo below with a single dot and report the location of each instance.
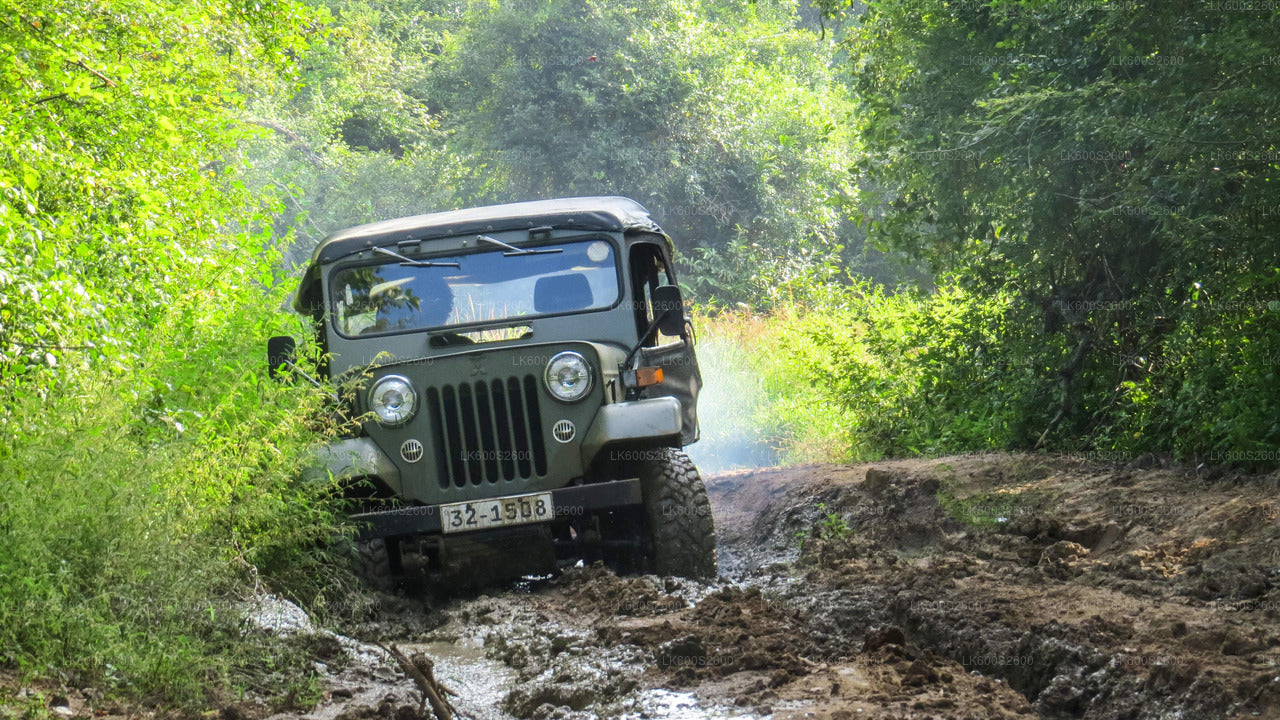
(992, 587)
(1093, 591)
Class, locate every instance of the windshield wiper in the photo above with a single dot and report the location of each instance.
(513, 250)
(409, 262)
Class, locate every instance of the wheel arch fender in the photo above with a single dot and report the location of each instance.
(352, 459)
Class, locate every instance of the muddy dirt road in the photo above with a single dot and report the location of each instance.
(965, 587)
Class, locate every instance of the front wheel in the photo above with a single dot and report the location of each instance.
(681, 532)
(372, 563)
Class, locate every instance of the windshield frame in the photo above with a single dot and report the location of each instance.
(444, 255)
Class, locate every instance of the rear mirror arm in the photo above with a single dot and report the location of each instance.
(648, 334)
(332, 395)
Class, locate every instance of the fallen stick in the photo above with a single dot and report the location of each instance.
(430, 687)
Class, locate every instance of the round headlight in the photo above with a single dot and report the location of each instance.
(393, 400)
(568, 376)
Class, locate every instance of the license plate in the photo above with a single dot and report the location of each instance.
(499, 512)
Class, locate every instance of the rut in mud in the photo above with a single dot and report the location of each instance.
(965, 587)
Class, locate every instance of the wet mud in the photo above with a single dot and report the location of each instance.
(964, 587)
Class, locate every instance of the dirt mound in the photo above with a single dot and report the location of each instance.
(729, 631)
(597, 590)
(1093, 591)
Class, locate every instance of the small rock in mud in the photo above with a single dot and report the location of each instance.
(920, 673)
(1063, 551)
(1236, 643)
(877, 639)
(688, 651)
(877, 479)
(542, 702)
(1064, 694)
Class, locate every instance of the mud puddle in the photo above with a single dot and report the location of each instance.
(480, 683)
(519, 653)
(992, 587)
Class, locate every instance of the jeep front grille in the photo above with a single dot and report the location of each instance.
(489, 430)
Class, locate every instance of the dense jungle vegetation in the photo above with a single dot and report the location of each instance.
(910, 228)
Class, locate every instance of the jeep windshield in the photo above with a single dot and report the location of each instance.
(484, 287)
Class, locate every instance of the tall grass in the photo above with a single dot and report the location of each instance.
(140, 500)
(759, 406)
(857, 373)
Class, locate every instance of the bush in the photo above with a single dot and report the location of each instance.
(759, 406)
(136, 504)
(859, 374)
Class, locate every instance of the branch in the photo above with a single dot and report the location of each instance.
(431, 689)
(293, 137)
(34, 25)
(48, 98)
(298, 204)
(108, 81)
(42, 346)
(63, 96)
(1184, 138)
(1065, 375)
(1085, 199)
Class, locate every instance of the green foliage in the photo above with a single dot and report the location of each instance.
(351, 137)
(134, 502)
(860, 374)
(729, 132)
(832, 526)
(1113, 166)
(111, 189)
(146, 468)
(723, 118)
(760, 405)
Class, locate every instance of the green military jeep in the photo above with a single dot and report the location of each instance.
(525, 379)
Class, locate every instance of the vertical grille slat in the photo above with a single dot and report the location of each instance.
(452, 447)
(438, 424)
(467, 404)
(535, 425)
(487, 431)
(502, 421)
(518, 421)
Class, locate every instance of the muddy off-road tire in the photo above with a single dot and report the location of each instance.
(372, 564)
(681, 531)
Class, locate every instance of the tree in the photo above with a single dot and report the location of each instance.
(722, 118)
(117, 121)
(1112, 163)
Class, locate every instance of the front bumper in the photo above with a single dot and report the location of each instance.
(569, 502)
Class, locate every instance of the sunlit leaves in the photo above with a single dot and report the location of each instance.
(114, 125)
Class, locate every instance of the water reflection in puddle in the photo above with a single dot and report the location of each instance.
(672, 705)
(482, 683)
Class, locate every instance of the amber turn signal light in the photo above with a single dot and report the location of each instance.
(648, 376)
(642, 377)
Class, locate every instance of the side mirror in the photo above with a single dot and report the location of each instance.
(668, 310)
(281, 351)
